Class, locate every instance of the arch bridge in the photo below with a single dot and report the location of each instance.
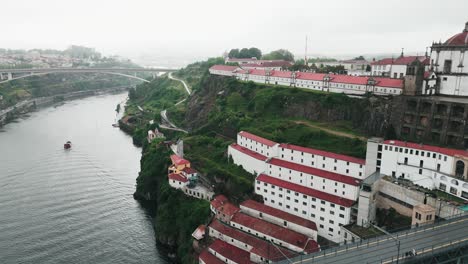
(7, 75)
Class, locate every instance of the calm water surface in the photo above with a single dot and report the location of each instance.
(74, 206)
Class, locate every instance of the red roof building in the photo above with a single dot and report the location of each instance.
(176, 160)
(315, 172)
(279, 214)
(290, 239)
(257, 138)
(256, 245)
(323, 153)
(247, 151)
(177, 177)
(305, 190)
(226, 251)
(207, 258)
(445, 151)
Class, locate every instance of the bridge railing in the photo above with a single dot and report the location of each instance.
(374, 241)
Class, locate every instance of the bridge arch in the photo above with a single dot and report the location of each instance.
(51, 72)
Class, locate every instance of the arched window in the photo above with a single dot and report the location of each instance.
(460, 168)
(454, 182)
(443, 178)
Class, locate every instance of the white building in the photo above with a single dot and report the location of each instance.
(312, 184)
(335, 83)
(428, 166)
(449, 67)
(396, 68)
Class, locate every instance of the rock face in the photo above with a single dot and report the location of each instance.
(371, 115)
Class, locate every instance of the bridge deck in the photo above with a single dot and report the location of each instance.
(40, 70)
(424, 240)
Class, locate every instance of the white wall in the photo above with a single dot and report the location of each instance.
(281, 222)
(325, 214)
(250, 164)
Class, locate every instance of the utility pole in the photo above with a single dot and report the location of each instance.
(305, 53)
(393, 237)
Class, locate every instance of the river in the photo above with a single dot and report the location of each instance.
(75, 206)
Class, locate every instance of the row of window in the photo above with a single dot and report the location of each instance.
(414, 152)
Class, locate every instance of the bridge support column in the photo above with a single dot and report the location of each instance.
(10, 76)
(1, 76)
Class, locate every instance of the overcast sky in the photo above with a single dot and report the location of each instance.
(209, 27)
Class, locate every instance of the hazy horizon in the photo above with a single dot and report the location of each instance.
(194, 29)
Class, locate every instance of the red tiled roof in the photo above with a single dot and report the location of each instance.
(445, 151)
(177, 177)
(247, 151)
(279, 214)
(228, 209)
(189, 170)
(178, 160)
(305, 190)
(324, 153)
(218, 201)
(281, 74)
(223, 68)
(389, 82)
(310, 76)
(230, 252)
(199, 233)
(458, 39)
(260, 246)
(340, 78)
(257, 138)
(405, 60)
(269, 229)
(386, 61)
(316, 172)
(209, 258)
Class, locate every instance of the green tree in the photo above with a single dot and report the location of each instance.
(280, 54)
(255, 52)
(234, 53)
(244, 53)
(359, 58)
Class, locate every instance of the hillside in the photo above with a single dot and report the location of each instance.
(217, 110)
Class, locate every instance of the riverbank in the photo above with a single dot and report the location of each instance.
(27, 106)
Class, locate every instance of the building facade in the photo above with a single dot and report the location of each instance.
(335, 83)
(316, 185)
(428, 166)
(449, 66)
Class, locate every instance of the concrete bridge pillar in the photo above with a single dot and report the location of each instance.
(1, 76)
(10, 76)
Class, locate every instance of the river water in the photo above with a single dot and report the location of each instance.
(75, 206)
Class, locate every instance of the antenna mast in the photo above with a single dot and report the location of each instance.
(305, 54)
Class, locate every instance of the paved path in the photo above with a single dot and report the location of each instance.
(424, 240)
(183, 82)
(330, 131)
(167, 124)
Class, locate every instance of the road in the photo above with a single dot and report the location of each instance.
(168, 124)
(183, 82)
(384, 249)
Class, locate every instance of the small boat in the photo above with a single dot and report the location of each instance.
(67, 145)
(115, 125)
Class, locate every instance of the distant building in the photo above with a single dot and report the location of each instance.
(336, 83)
(152, 134)
(240, 61)
(267, 65)
(396, 68)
